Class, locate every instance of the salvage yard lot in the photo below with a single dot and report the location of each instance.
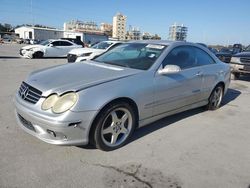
(193, 149)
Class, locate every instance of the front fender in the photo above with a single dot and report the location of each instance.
(139, 88)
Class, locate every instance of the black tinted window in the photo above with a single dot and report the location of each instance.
(188, 57)
(65, 43)
(202, 57)
(181, 56)
(56, 43)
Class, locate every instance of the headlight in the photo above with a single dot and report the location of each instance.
(49, 102)
(235, 60)
(65, 102)
(84, 54)
(60, 104)
(31, 49)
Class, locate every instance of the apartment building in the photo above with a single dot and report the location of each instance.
(177, 32)
(119, 26)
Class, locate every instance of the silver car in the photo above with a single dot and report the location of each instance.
(103, 100)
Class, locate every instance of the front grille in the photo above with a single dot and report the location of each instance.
(26, 123)
(245, 60)
(71, 58)
(29, 93)
(246, 68)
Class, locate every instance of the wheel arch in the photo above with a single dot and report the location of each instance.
(222, 84)
(127, 100)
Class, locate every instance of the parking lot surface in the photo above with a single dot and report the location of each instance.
(193, 149)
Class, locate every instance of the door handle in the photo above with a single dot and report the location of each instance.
(199, 74)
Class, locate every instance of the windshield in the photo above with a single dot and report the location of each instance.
(44, 43)
(247, 49)
(132, 55)
(102, 45)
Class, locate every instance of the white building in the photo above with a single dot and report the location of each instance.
(27, 32)
(119, 26)
(134, 33)
(37, 33)
(177, 32)
(76, 25)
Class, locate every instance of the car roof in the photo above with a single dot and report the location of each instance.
(159, 42)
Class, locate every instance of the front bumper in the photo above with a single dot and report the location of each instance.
(71, 58)
(69, 128)
(25, 53)
(240, 68)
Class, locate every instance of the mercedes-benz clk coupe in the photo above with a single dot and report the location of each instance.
(102, 101)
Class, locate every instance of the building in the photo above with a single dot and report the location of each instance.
(119, 26)
(178, 32)
(29, 32)
(134, 33)
(76, 25)
(148, 36)
(89, 32)
(107, 28)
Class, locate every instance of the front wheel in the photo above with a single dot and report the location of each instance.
(114, 126)
(215, 98)
(38, 55)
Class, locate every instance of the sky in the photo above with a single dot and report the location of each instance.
(208, 21)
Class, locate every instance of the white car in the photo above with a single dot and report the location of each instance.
(82, 54)
(48, 48)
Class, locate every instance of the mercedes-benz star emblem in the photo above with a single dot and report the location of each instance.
(24, 92)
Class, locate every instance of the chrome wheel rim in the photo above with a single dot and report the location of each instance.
(116, 127)
(217, 97)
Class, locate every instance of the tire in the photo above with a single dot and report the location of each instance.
(38, 55)
(114, 126)
(235, 76)
(214, 101)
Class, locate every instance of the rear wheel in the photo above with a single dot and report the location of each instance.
(38, 55)
(215, 98)
(235, 76)
(114, 126)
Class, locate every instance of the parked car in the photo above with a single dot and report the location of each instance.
(224, 54)
(76, 41)
(26, 41)
(34, 41)
(103, 100)
(49, 48)
(213, 50)
(82, 54)
(240, 63)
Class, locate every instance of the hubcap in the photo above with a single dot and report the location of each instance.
(217, 97)
(116, 127)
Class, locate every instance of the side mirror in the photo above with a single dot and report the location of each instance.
(169, 69)
(50, 45)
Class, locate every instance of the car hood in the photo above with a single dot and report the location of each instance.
(32, 46)
(242, 54)
(76, 76)
(79, 51)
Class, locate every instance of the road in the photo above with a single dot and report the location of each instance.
(193, 149)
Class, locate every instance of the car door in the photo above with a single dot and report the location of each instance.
(174, 91)
(65, 47)
(210, 70)
(53, 49)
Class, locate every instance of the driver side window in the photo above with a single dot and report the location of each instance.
(56, 43)
(181, 56)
